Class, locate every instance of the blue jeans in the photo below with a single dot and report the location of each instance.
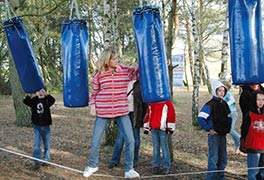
(217, 157)
(255, 160)
(125, 128)
(41, 133)
(160, 140)
(120, 143)
(235, 136)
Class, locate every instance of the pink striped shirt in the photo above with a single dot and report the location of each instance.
(109, 91)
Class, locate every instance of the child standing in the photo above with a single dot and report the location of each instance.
(252, 136)
(136, 114)
(247, 90)
(41, 118)
(214, 118)
(229, 98)
(160, 119)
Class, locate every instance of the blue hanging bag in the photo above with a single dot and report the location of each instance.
(245, 28)
(23, 55)
(74, 39)
(153, 69)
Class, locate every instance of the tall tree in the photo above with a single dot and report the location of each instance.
(172, 31)
(170, 36)
(107, 23)
(196, 78)
(188, 39)
(223, 72)
(110, 24)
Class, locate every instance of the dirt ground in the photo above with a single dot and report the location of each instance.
(70, 138)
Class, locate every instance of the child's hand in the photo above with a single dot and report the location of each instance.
(92, 110)
(212, 132)
(242, 147)
(41, 93)
(169, 130)
(146, 130)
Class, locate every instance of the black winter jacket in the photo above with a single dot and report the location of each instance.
(40, 109)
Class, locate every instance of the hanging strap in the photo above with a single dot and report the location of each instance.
(74, 4)
(130, 91)
(140, 3)
(7, 9)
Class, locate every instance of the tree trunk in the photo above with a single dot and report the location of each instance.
(172, 32)
(223, 73)
(23, 114)
(196, 78)
(186, 83)
(107, 23)
(207, 74)
(188, 38)
(111, 130)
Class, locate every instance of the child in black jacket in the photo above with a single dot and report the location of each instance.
(41, 118)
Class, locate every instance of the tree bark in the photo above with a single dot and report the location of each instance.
(107, 23)
(196, 79)
(110, 24)
(188, 38)
(223, 73)
(23, 114)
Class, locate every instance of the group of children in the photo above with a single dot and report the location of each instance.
(216, 118)
(116, 94)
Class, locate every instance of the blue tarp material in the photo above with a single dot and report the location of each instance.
(153, 69)
(23, 55)
(245, 25)
(74, 56)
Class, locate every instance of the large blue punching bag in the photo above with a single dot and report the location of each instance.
(153, 69)
(74, 56)
(23, 55)
(245, 26)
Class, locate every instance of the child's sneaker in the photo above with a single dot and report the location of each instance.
(155, 170)
(36, 166)
(131, 174)
(88, 171)
(165, 171)
(112, 165)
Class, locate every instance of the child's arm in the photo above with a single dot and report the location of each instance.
(95, 88)
(171, 118)
(231, 99)
(146, 122)
(203, 118)
(51, 99)
(28, 100)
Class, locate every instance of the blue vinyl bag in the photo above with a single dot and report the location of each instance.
(153, 69)
(246, 47)
(74, 56)
(23, 55)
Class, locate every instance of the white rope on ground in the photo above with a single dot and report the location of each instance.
(58, 165)
(119, 177)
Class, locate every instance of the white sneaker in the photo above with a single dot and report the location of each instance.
(131, 174)
(89, 171)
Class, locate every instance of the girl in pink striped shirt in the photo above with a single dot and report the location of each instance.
(109, 100)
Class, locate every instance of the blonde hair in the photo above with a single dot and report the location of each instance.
(227, 84)
(104, 59)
